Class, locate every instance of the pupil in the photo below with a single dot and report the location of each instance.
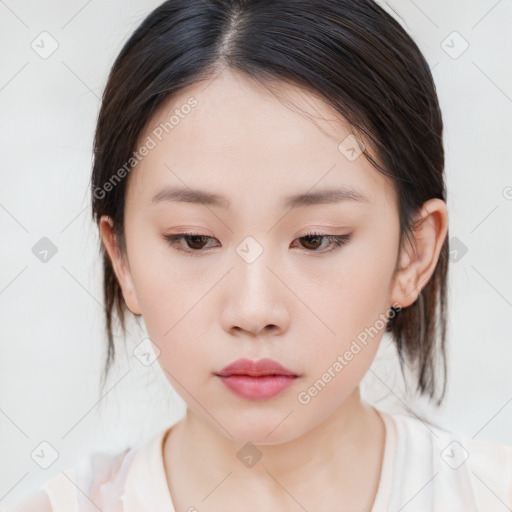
(196, 239)
(314, 238)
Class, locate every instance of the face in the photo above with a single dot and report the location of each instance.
(252, 282)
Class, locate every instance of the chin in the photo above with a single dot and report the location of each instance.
(261, 428)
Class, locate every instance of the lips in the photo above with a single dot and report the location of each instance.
(261, 368)
(257, 380)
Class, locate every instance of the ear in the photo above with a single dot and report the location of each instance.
(120, 265)
(419, 256)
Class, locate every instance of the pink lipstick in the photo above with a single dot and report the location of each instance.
(256, 380)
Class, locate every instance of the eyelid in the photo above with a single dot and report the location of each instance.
(337, 241)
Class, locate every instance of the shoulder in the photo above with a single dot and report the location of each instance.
(37, 501)
(452, 470)
(490, 467)
(97, 479)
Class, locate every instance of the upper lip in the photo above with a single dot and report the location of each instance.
(255, 368)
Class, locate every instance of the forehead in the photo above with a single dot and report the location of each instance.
(233, 136)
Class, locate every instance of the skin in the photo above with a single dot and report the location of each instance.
(293, 305)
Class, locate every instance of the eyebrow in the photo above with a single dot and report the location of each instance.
(327, 196)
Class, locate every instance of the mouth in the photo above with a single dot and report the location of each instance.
(258, 380)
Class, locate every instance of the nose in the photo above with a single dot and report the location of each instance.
(255, 299)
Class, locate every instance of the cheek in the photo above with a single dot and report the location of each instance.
(352, 305)
(173, 305)
(359, 284)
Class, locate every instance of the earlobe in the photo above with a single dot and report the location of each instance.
(120, 265)
(420, 255)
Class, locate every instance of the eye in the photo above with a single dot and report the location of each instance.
(196, 242)
(314, 238)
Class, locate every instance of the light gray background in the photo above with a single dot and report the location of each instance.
(51, 313)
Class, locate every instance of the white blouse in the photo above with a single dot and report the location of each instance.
(425, 469)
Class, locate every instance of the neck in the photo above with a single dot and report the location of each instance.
(338, 460)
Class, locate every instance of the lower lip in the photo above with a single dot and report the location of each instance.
(257, 388)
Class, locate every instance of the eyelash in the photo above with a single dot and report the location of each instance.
(336, 240)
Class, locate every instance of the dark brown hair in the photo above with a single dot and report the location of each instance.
(353, 54)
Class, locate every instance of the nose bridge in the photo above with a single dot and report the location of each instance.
(252, 267)
(256, 296)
